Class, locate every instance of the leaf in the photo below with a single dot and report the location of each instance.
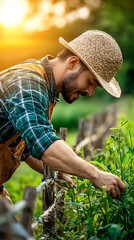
(101, 165)
(114, 231)
(122, 124)
(113, 129)
(114, 138)
(78, 204)
(93, 238)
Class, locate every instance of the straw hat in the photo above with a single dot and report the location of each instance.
(101, 54)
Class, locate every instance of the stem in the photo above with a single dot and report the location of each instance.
(78, 213)
(107, 208)
(91, 212)
(120, 155)
(131, 143)
(131, 160)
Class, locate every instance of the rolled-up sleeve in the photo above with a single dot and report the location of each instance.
(26, 105)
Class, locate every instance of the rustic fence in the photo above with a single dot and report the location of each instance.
(10, 229)
(53, 199)
(90, 135)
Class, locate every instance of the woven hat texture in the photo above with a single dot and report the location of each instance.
(101, 54)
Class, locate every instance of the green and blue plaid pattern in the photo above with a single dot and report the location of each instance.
(24, 106)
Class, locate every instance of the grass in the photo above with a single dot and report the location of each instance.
(23, 176)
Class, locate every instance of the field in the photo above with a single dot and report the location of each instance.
(89, 213)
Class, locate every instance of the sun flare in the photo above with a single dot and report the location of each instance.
(31, 16)
(12, 12)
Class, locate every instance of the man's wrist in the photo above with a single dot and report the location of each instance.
(94, 173)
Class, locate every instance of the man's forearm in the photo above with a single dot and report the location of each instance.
(35, 164)
(59, 156)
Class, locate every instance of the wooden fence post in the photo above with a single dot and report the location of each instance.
(27, 213)
(91, 132)
(85, 128)
(48, 200)
(4, 208)
(49, 196)
(63, 133)
(60, 201)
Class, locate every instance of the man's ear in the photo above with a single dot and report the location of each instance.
(73, 62)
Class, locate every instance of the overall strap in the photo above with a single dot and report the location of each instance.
(8, 142)
(38, 68)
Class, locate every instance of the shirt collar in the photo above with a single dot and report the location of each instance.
(52, 85)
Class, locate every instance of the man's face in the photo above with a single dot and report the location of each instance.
(75, 84)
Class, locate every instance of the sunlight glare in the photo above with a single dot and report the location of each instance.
(34, 24)
(45, 7)
(83, 12)
(12, 12)
(58, 9)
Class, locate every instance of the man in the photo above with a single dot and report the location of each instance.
(28, 92)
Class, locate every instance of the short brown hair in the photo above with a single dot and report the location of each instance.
(67, 53)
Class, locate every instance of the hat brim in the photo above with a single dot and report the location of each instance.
(112, 87)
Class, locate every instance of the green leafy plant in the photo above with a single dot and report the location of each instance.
(90, 213)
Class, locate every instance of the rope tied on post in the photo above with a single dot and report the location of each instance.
(47, 213)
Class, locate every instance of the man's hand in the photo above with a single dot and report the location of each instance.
(113, 183)
(67, 178)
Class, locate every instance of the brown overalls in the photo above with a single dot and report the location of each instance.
(10, 156)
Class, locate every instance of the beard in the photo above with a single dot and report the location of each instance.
(69, 85)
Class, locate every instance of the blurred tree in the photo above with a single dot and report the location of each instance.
(44, 14)
(117, 18)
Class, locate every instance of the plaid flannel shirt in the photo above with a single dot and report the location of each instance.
(24, 106)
